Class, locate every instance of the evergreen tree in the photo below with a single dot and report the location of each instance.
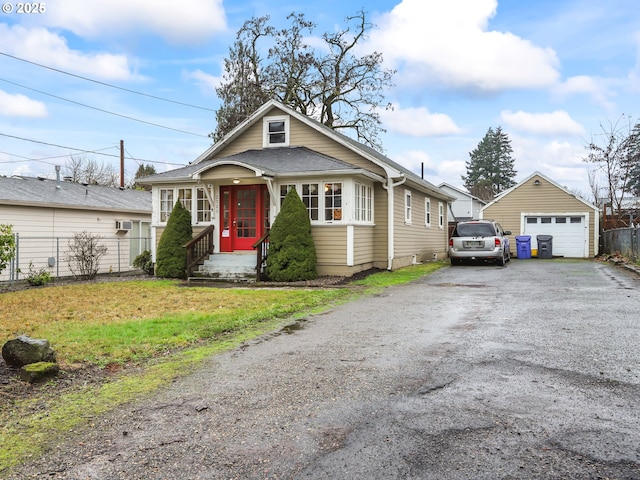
(491, 163)
(292, 253)
(144, 170)
(171, 259)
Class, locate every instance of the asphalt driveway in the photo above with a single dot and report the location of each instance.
(475, 372)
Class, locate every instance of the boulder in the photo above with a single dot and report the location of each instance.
(25, 350)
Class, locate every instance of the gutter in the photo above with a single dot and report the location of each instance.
(389, 187)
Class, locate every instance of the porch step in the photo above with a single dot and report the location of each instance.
(236, 266)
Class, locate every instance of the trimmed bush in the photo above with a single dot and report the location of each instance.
(292, 253)
(171, 259)
(144, 262)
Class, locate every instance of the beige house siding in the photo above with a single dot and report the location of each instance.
(380, 236)
(331, 247)
(363, 246)
(532, 199)
(415, 242)
(226, 172)
(299, 135)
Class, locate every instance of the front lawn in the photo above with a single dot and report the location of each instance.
(139, 335)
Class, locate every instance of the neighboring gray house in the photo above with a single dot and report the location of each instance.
(465, 206)
(46, 213)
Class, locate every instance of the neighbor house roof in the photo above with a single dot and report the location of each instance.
(42, 192)
(281, 161)
(461, 192)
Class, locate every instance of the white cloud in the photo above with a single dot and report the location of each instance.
(413, 160)
(555, 123)
(595, 88)
(418, 122)
(41, 46)
(448, 42)
(206, 82)
(178, 22)
(18, 105)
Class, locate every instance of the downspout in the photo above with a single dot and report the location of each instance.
(389, 187)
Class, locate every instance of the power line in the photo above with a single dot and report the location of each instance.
(102, 110)
(107, 84)
(98, 152)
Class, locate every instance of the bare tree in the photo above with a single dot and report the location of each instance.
(614, 154)
(333, 84)
(81, 168)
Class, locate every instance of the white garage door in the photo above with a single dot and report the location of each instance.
(570, 233)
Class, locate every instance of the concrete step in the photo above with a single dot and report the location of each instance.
(236, 266)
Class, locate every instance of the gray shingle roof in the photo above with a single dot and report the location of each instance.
(44, 192)
(271, 161)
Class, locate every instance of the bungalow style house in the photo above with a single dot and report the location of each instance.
(46, 213)
(366, 211)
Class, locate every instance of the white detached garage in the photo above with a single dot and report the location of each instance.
(539, 206)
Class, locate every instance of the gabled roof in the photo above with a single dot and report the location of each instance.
(461, 192)
(280, 161)
(546, 179)
(392, 169)
(40, 192)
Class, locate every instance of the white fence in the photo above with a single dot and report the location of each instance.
(52, 254)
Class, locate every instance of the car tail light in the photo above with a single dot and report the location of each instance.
(497, 242)
(451, 242)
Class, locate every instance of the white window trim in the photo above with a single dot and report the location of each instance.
(427, 212)
(193, 211)
(367, 200)
(407, 207)
(440, 215)
(265, 131)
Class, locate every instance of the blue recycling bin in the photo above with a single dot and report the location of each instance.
(523, 246)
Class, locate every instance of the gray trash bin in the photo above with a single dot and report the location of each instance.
(545, 246)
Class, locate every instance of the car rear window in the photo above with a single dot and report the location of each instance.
(474, 230)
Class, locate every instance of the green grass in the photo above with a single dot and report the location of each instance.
(158, 327)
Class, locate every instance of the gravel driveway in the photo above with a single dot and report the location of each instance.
(528, 371)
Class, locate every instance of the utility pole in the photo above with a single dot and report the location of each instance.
(121, 163)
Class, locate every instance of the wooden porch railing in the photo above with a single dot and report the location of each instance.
(199, 248)
(262, 250)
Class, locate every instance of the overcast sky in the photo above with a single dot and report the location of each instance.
(551, 73)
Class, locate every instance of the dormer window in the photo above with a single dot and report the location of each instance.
(276, 131)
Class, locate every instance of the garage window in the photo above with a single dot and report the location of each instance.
(576, 219)
(561, 219)
(532, 219)
(545, 220)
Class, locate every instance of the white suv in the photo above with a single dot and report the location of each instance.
(479, 240)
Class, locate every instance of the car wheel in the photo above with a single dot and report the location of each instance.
(456, 261)
(501, 261)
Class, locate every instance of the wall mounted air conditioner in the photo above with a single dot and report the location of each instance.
(123, 225)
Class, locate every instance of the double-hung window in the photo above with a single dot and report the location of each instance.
(427, 212)
(407, 207)
(166, 203)
(185, 197)
(332, 201)
(363, 208)
(276, 131)
(311, 199)
(203, 206)
(284, 189)
(440, 215)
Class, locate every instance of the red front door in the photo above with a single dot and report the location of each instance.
(241, 212)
